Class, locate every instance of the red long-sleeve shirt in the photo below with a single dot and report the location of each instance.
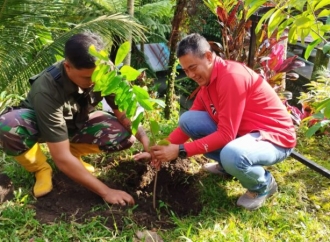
(243, 102)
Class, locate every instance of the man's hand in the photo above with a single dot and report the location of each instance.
(142, 156)
(74, 169)
(118, 197)
(163, 153)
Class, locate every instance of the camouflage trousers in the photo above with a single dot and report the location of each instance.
(19, 132)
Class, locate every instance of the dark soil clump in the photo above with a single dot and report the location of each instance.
(176, 192)
(6, 188)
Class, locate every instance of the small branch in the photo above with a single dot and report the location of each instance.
(154, 191)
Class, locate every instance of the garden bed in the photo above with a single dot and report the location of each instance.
(176, 192)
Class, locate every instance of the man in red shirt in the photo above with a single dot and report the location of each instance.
(236, 119)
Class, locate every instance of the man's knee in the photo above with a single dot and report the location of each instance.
(232, 160)
(117, 145)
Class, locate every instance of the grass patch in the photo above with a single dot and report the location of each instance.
(299, 212)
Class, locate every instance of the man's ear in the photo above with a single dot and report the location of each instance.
(209, 56)
(66, 65)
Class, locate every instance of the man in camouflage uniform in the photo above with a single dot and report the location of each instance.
(58, 110)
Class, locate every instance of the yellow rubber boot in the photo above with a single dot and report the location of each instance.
(81, 149)
(35, 161)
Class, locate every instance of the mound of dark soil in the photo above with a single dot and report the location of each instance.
(6, 188)
(176, 191)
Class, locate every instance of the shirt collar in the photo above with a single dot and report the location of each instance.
(218, 61)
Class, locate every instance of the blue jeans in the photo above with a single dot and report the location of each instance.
(243, 158)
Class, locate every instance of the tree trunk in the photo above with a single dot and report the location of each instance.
(179, 16)
(130, 11)
(321, 61)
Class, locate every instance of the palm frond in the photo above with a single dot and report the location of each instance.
(33, 32)
(112, 28)
(157, 18)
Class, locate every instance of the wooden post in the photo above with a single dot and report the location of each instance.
(130, 11)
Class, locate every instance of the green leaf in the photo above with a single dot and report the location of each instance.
(126, 102)
(126, 96)
(154, 127)
(310, 47)
(103, 55)
(292, 36)
(120, 96)
(322, 105)
(140, 92)
(98, 87)
(326, 48)
(107, 79)
(327, 111)
(325, 28)
(146, 104)
(263, 19)
(312, 130)
(129, 72)
(298, 4)
(101, 78)
(3, 95)
(253, 6)
(131, 110)
(99, 72)
(319, 116)
(95, 74)
(316, 30)
(303, 33)
(161, 103)
(122, 52)
(112, 84)
(303, 22)
(324, 13)
(321, 4)
(275, 20)
(284, 25)
(136, 122)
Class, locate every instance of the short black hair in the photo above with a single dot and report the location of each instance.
(76, 49)
(194, 44)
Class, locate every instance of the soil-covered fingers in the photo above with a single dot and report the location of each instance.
(142, 156)
(119, 197)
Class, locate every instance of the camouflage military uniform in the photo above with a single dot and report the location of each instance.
(55, 110)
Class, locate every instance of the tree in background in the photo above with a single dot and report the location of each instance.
(177, 21)
(33, 32)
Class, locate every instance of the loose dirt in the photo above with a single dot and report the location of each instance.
(176, 193)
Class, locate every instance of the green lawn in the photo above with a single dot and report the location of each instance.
(299, 212)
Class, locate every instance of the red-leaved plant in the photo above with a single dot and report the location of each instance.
(271, 62)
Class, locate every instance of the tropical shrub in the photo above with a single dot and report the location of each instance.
(302, 18)
(270, 61)
(316, 104)
(235, 24)
(118, 79)
(8, 100)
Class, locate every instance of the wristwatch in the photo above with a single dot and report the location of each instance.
(182, 152)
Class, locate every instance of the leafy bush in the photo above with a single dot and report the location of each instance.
(317, 102)
(7, 100)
